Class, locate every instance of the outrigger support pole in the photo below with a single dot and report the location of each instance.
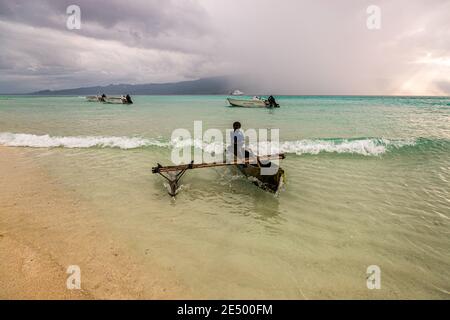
(172, 178)
(173, 174)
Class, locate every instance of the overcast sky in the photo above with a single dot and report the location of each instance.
(283, 46)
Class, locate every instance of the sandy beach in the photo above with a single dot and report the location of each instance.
(44, 229)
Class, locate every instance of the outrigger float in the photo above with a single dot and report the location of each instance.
(250, 168)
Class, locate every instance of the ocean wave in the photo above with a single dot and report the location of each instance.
(46, 141)
(361, 146)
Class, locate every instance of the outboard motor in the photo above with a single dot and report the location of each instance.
(272, 102)
(129, 99)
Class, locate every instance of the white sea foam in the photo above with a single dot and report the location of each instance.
(46, 141)
(216, 147)
(366, 147)
(363, 146)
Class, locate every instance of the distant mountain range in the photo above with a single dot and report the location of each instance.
(215, 85)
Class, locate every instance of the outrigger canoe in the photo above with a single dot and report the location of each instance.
(249, 167)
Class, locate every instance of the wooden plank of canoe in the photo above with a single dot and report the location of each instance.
(160, 169)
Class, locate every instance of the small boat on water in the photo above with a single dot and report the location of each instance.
(117, 100)
(110, 99)
(237, 93)
(255, 102)
(249, 167)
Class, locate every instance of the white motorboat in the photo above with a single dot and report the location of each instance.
(110, 99)
(237, 93)
(115, 100)
(253, 103)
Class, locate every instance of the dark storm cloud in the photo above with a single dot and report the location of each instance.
(150, 23)
(134, 41)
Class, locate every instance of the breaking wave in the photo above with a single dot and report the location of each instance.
(365, 146)
(361, 146)
(46, 141)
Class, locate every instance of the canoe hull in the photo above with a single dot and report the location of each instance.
(271, 183)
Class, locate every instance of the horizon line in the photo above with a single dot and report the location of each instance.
(244, 95)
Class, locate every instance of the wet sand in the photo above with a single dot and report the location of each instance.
(44, 229)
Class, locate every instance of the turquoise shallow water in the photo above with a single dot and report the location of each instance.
(367, 184)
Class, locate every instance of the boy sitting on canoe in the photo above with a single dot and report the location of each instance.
(238, 143)
(238, 139)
